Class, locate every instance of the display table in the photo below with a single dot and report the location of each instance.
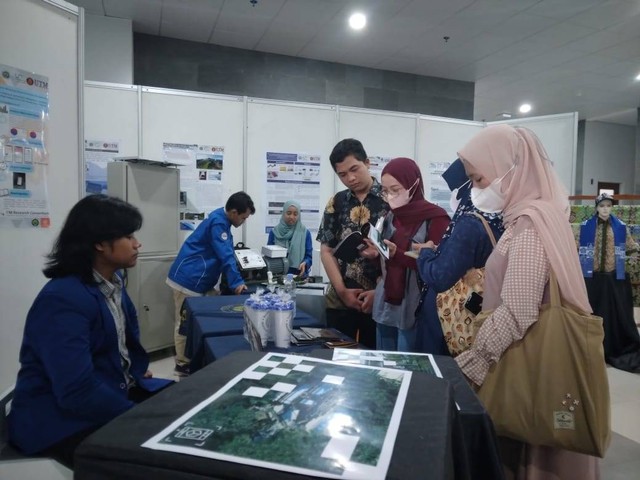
(428, 444)
(478, 457)
(221, 316)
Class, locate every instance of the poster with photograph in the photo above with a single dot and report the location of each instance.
(201, 175)
(24, 117)
(97, 154)
(415, 362)
(298, 414)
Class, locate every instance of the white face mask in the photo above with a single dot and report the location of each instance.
(489, 199)
(454, 201)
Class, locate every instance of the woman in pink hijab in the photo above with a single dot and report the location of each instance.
(511, 173)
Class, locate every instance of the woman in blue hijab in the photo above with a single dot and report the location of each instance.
(291, 234)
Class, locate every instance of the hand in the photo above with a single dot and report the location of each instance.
(239, 289)
(370, 251)
(366, 301)
(349, 297)
(302, 268)
(148, 374)
(419, 246)
(392, 248)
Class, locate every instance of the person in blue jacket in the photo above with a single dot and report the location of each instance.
(81, 361)
(203, 257)
(291, 234)
(464, 245)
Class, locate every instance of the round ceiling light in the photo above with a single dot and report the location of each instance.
(357, 21)
(525, 108)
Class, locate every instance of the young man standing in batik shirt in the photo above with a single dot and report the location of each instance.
(350, 296)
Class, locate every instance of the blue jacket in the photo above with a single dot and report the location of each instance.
(308, 253)
(70, 376)
(205, 254)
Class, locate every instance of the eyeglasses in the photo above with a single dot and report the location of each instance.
(386, 194)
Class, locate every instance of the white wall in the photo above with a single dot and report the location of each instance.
(46, 41)
(609, 156)
(108, 49)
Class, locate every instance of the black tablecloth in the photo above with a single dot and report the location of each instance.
(478, 456)
(427, 447)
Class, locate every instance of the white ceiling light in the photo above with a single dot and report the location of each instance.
(357, 21)
(638, 77)
(525, 108)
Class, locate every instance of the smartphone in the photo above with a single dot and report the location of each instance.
(474, 303)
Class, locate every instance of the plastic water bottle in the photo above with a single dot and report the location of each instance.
(290, 288)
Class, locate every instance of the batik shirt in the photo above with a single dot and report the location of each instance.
(345, 214)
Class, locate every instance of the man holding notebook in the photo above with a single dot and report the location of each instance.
(350, 296)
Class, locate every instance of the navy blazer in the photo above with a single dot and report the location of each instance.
(70, 377)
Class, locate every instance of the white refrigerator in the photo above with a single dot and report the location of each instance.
(155, 190)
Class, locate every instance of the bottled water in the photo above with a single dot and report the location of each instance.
(290, 288)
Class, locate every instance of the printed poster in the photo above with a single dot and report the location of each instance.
(201, 175)
(415, 362)
(97, 154)
(293, 176)
(297, 414)
(439, 192)
(376, 164)
(24, 117)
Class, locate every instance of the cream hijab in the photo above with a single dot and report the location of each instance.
(532, 189)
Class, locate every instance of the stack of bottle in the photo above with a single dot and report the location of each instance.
(271, 315)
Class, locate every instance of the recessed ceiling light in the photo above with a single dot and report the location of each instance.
(525, 108)
(638, 77)
(357, 21)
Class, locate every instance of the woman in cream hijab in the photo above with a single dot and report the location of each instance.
(511, 173)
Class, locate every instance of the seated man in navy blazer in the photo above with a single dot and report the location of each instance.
(81, 361)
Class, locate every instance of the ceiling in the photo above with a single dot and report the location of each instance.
(559, 55)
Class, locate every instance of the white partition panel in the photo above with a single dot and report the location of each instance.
(111, 113)
(559, 135)
(170, 116)
(44, 37)
(382, 133)
(438, 142)
(293, 128)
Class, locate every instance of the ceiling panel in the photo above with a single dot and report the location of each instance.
(567, 55)
(190, 19)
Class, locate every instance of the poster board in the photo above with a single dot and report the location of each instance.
(559, 135)
(192, 118)
(110, 118)
(383, 134)
(287, 128)
(438, 142)
(55, 52)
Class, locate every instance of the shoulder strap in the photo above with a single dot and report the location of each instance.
(487, 228)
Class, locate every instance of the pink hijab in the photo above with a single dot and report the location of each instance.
(532, 189)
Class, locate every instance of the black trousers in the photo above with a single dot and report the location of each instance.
(359, 326)
(64, 450)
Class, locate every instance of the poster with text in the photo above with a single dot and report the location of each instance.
(97, 154)
(439, 192)
(24, 116)
(293, 176)
(201, 175)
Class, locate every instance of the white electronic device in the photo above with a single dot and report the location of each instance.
(274, 251)
(249, 259)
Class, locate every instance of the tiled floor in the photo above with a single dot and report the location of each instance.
(622, 461)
